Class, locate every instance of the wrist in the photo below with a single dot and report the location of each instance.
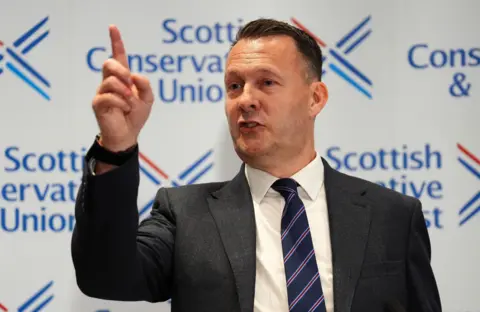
(116, 148)
(115, 157)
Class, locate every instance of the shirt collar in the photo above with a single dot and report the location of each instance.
(310, 179)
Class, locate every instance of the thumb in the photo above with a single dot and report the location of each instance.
(143, 87)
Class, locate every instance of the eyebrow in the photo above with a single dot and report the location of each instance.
(261, 70)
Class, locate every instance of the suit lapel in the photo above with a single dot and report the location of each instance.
(349, 221)
(232, 209)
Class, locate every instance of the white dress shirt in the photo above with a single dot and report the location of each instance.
(270, 287)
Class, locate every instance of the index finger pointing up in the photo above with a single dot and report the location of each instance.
(118, 49)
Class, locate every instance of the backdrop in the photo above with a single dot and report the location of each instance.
(403, 111)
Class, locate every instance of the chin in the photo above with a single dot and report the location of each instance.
(246, 151)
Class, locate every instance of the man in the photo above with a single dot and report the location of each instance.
(247, 244)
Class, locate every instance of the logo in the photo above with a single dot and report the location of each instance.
(421, 56)
(191, 174)
(36, 302)
(401, 169)
(13, 58)
(472, 163)
(38, 189)
(186, 72)
(338, 55)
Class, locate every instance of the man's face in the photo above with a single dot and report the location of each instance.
(268, 97)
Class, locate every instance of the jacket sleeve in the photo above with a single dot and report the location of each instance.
(114, 257)
(421, 283)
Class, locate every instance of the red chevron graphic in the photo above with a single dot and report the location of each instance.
(2, 307)
(468, 153)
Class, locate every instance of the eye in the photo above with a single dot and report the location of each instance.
(233, 86)
(268, 82)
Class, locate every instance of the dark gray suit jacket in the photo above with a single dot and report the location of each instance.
(198, 246)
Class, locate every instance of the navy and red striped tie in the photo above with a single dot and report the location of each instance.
(303, 279)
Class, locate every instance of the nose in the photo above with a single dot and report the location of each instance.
(247, 101)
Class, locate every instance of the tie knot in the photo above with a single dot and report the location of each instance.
(285, 186)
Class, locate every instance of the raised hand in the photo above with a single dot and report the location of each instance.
(123, 100)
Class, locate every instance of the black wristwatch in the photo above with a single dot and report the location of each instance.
(100, 153)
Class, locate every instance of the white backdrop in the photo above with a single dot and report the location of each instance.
(404, 101)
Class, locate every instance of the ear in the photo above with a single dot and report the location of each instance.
(319, 98)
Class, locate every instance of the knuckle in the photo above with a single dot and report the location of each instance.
(96, 102)
(115, 70)
(107, 65)
(112, 84)
(99, 100)
(110, 81)
(110, 62)
(106, 99)
(103, 101)
(113, 67)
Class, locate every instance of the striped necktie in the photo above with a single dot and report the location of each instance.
(303, 280)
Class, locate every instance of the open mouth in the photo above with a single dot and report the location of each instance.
(249, 125)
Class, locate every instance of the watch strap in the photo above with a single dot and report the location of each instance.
(99, 153)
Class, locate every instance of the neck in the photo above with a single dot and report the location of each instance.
(284, 166)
